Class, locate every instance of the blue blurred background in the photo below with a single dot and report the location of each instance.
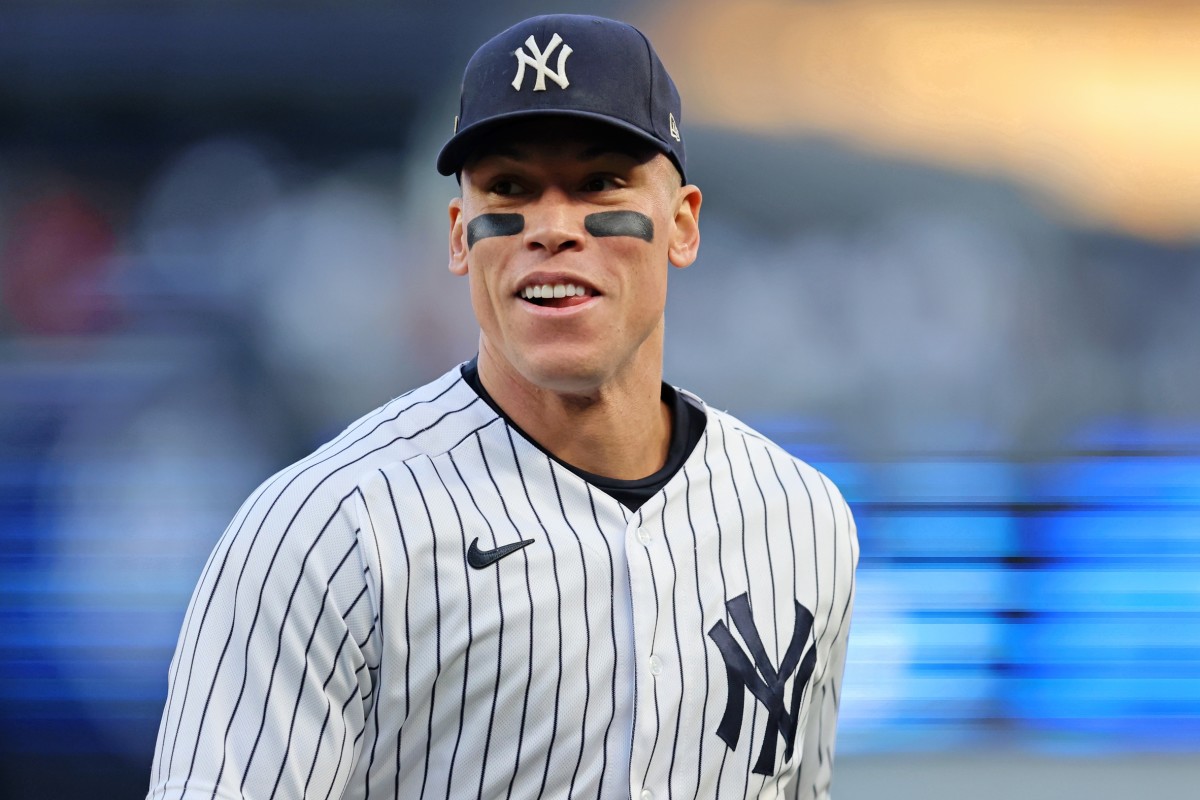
(951, 256)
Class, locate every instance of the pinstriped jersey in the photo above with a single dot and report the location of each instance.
(430, 606)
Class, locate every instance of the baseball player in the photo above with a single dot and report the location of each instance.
(547, 573)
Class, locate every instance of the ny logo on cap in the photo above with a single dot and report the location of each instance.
(538, 62)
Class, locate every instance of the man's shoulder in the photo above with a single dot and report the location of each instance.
(423, 422)
(732, 433)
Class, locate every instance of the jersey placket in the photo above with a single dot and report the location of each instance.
(647, 560)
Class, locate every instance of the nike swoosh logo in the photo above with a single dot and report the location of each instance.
(482, 559)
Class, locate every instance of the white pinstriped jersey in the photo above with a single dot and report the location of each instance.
(339, 644)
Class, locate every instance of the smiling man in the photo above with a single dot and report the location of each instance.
(548, 573)
(564, 229)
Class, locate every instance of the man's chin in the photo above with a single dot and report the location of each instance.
(582, 368)
(571, 378)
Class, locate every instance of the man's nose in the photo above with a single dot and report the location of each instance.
(553, 223)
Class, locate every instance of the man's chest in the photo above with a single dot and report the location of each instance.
(693, 618)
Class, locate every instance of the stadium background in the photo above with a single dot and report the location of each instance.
(951, 256)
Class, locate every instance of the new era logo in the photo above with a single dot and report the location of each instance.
(538, 61)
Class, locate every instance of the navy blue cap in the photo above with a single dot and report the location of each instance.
(572, 66)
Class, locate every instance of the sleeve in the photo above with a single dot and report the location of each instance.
(273, 674)
(816, 764)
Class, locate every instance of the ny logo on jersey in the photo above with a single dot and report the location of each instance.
(538, 61)
(763, 680)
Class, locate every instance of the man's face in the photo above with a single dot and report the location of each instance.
(565, 230)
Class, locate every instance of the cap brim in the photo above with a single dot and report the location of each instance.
(460, 147)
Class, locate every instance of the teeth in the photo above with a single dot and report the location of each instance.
(547, 290)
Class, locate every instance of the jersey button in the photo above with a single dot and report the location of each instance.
(647, 794)
(643, 536)
(656, 666)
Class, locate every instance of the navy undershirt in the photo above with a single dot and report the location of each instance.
(687, 426)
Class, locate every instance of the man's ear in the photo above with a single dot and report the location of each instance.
(684, 244)
(458, 238)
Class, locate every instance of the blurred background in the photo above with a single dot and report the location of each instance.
(951, 257)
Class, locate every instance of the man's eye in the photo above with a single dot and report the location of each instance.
(599, 183)
(506, 187)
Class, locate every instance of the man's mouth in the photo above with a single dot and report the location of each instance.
(556, 295)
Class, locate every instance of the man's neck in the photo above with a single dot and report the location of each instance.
(620, 430)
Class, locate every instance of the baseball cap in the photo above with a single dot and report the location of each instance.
(567, 65)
